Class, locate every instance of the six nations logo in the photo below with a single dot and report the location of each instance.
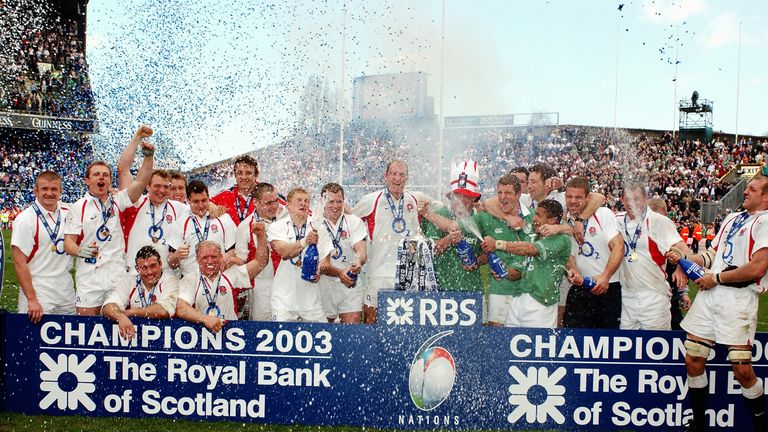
(432, 374)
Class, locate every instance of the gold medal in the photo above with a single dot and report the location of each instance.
(212, 312)
(53, 248)
(298, 263)
(633, 256)
(154, 239)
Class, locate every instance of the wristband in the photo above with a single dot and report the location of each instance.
(147, 152)
(717, 279)
(501, 245)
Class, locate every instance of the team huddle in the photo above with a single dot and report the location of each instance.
(159, 247)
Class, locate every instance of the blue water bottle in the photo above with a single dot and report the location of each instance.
(352, 276)
(497, 265)
(309, 264)
(90, 259)
(465, 252)
(589, 282)
(691, 269)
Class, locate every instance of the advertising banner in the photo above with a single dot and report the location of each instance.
(428, 364)
(37, 122)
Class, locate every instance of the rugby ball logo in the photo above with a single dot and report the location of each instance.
(432, 374)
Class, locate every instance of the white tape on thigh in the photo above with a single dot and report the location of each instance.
(697, 348)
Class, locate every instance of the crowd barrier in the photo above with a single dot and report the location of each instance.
(428, 364)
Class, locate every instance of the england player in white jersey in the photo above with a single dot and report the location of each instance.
(390, 214)
(199, 226)
(598, 257)
(266, 208)
(341, 296)
(209, 298)
(725, 308)
(178, 187)
(154, 220)
(647, 236)
(94, 235)
(149, 294)
(293, 298)
(37, 242)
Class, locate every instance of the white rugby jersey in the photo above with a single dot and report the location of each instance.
(655, 235)
(592, 256)
(49, 265)
(375, 211)
(138, 221)
(86, 217)
(289, 291)
(348, 230)
(745, 240)
(222, 290)
(126, 294)
(195, 229)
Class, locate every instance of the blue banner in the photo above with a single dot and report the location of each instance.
(428, 364)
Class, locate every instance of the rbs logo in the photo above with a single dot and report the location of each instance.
(447, 312)
(434, 310)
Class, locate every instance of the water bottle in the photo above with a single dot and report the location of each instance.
(691, 269)
(465, 252)
(309, 263)
(589, 282)
(497, 265)
(352, 276)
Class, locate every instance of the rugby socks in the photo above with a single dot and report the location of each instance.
(698, 386)
(756, 402)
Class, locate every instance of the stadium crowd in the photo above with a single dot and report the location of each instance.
(47, 74)
(23, 154)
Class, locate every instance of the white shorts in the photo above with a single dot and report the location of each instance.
(315, 315)
(260, 302)
(338, 299)
(372, 287)
(725, 315)
(93, 288)
(498, 306)
(63, 304)
(526, 311)
(48, 310)
(645, 310)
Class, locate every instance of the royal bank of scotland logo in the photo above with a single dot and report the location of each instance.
(536, 395)
(67, 382)
(399, 311)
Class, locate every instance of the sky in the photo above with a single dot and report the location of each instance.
(220, 81)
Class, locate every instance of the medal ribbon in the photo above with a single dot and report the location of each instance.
(142, 296)
(105, 213)
(207, 290)
(738, 222)
(204, 236)
(156, 227)
(638, 231)
(52, 233)
(336, 239)
(399, 214)
(300, 233)
(242, 213)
